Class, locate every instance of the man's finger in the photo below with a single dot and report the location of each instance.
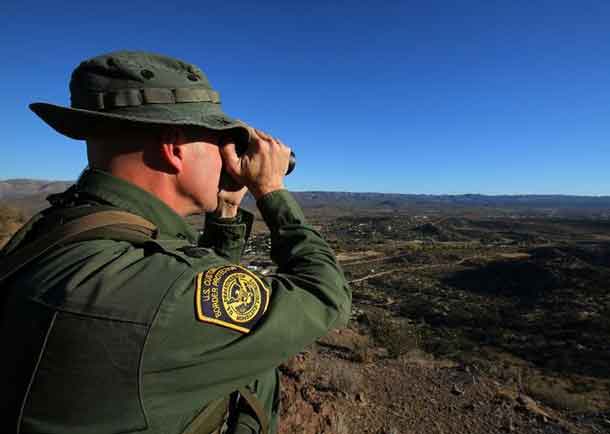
(230, 159)
(263, 135)
(256, 138)
(228, 185)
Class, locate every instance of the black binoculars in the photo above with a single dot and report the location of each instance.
(242, 145)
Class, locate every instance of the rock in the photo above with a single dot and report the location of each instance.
(390, 430)
(470, 407)
(506, 397)
(360, 398)
(527, 404)
(456, 390)
(583, 315)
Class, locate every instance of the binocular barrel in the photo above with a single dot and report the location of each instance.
(291, 163)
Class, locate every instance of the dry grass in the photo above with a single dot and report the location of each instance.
(11, 219)
(338, 424)
(342, 377)
(556, 396)
(426, 361)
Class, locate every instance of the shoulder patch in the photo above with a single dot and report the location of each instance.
(230, 296)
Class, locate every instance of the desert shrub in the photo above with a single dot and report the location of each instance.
(342, 377)
(398, 337)
(601, 322)
(556, 396)
(453, 345)
(362, 353)
(583, 387)
(415, 308)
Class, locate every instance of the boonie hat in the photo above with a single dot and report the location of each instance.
(140, 88)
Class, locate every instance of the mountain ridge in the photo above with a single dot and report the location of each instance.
(34, 191)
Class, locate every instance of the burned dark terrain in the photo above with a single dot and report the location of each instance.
(471, 314)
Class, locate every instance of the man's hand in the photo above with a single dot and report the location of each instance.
(262, 167)
(230, 195)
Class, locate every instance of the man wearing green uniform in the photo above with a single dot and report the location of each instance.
(116, 315)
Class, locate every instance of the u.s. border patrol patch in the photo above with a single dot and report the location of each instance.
(230, 296)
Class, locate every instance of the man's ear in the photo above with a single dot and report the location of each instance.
(172, 150)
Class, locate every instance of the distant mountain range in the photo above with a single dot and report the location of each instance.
(395, 200)
(19, 188)
(30, 194)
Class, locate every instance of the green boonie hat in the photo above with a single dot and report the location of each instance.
(139, 89)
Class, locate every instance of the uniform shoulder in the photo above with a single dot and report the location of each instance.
(107, 278)
(182, 250)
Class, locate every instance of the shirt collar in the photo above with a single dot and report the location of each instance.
(131, 198)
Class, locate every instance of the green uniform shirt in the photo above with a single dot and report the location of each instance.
(107, 336)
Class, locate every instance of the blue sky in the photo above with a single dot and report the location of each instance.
(389, 96)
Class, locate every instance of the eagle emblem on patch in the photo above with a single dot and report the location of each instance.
(230, 296)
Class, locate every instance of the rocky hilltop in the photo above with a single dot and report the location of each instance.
(471, 314)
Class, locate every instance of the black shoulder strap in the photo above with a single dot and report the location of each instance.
(257, 407)
(69, 232)
(211, 418)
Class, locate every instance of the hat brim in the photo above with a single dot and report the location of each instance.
(79, 124)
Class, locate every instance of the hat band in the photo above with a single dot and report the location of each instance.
(138, 97)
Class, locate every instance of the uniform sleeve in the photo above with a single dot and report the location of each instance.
(220, 327)
(227, 237)
(308, 271)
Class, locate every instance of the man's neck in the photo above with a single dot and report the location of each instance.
(160, 184)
